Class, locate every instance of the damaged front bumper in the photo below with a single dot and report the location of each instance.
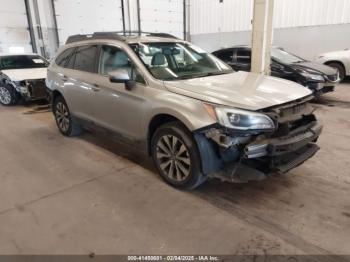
(32, 89)
(260, 158)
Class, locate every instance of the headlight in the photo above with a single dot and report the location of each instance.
(240, 119)
(312, 76)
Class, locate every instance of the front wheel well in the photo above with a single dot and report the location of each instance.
(155, 123)
(55, 95)
(335, 62)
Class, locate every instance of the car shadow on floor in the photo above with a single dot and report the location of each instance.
(212, 190)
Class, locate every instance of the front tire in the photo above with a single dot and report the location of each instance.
(8, 95)
(176, 156)
(340, 68)
(67, 125)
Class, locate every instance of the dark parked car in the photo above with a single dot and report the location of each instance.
(317, 77)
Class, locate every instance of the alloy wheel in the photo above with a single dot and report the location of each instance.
(173, 158)
(62, 116)
(5, 96)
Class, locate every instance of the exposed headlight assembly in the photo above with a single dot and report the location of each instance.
(22, 86)
(312, 76)
(240, 119)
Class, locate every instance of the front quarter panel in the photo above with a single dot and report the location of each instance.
(188, 110)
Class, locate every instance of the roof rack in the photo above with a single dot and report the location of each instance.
(97, 35)
(118, 35)
(139, 33)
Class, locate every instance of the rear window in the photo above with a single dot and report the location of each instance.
(85, 57)
(22, 62)
(226, 56)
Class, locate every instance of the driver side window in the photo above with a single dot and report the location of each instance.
(113, 58)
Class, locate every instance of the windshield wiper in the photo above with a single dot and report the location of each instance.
(202, 75)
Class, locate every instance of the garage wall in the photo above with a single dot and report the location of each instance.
(306, 27)
(85, 17)
(14, 33)
(164, 16)
(211, 16)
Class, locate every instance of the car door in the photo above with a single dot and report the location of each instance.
(79, 79)
(115, 107)
(242, 59)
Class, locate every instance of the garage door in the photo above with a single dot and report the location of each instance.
(85, 17)
(163, 16)
(14, 33)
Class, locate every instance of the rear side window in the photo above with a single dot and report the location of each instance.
(65, 57)
(244, 56)
(226, 56)
(85, 57)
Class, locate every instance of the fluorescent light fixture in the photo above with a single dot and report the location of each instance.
(16, 50)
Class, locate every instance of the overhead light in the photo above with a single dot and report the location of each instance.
(16, 50)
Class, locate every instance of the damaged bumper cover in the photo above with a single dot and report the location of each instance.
(258, 159)
(32, 89)
(283, 145)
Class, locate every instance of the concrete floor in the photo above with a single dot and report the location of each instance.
(80, 195)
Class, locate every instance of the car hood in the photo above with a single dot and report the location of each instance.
(313, 67)
(240, 89)
(25, 74)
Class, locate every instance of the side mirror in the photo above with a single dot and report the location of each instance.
(122, 76)
(119, 76)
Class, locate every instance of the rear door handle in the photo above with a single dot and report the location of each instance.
(64, 78)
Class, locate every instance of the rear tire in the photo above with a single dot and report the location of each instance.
(8, 95)
(66, 123)
(340, 68)
(176, 156)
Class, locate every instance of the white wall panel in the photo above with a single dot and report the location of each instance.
(86, 17)
(14, 26)
(164, 16)
(211, 16)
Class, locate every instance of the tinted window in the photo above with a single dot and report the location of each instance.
(22, 61)
(225, 55)
(285, 57)
(85, 58)
(65, 58)
(113, 58)
(173, 61)
(244, 56)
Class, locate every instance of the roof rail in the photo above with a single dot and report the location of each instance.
(118, 35)
(97, 35)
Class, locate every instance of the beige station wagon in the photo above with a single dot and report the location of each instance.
(190, 111)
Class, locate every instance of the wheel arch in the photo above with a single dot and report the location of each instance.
(56, 94)
(157, 121)
(337, 62)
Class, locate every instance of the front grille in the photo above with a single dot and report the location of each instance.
(37, 89)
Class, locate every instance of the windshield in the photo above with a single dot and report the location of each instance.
(285, 57)
(22, 62)
(173, 61)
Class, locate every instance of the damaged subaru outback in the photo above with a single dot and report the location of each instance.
(196, 117)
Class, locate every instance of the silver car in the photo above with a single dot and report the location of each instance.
(196, 117)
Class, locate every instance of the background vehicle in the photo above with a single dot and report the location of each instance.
(187, 109)
(318, 78)
(339, 60)
(22, 76)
